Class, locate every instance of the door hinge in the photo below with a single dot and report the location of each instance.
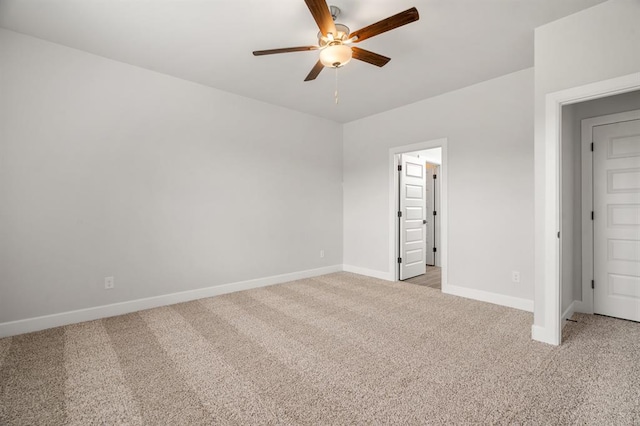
(399, 167)
(591, 146)
(593, 284)
(592, 215)
(424, 221)
(399, 260)
(435, 249)
(435, 176)
(435, 212)
(558, 234)
(399, 214)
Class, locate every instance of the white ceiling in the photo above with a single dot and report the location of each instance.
(455, 43)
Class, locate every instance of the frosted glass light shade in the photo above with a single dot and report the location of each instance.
(336, 55)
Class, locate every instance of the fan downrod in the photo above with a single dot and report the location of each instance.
(335, 12)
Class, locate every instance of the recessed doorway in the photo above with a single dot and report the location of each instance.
(418, 194)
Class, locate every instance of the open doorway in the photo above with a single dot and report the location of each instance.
(548, 312)
(419, 213)
(599, 198)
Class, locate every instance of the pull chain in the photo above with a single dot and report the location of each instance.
(336, 92)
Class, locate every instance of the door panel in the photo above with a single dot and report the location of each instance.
(616, 199)
(413, 256)
(414, 213)
(623, 286)
(624, 250)
(414, 235)
(623, 180)
(414, 192)
(412, 228)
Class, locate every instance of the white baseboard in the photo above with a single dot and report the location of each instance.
(582, 307)
(485, 296)
(568, 313)
(388, 276)
(28, 325)
(541, 334)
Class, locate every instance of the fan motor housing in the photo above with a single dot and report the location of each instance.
(343, 34)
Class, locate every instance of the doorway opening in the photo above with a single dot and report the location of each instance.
(418, 241)
(548, 312)
(600, 207)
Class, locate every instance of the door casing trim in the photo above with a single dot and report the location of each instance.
(393, 213)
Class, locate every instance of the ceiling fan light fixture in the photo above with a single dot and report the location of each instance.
(334, 37)
(335, 55)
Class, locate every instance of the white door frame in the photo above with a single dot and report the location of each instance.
(586, 305)
(393, 205)
(550, 271)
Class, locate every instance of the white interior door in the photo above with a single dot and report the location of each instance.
(412, 217)
(616, 202)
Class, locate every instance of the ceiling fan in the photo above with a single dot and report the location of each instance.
(334, 39)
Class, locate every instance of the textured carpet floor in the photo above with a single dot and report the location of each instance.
(338, 349)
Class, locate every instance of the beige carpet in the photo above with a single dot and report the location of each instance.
(338, 349)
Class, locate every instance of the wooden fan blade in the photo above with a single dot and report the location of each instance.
(284, 50)
(320, 12)
(370, 57)
(314, 71)
(392, 22)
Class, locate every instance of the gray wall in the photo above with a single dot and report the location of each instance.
(112, 170)
(572, 116)
(489, 127)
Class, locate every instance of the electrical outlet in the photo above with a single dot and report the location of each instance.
(322, 254)
(109, 283)
(515, 276)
